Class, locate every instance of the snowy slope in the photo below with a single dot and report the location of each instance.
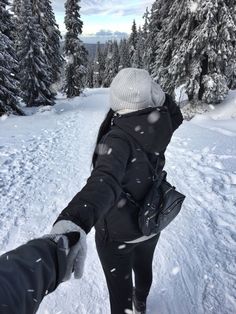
(45, 159)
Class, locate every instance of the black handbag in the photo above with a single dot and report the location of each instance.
(161, 205)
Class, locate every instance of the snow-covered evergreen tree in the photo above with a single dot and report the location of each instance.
(16, 7)
(154, 19)
(107, 78)
(99, 67)
(89, 75)
(145, 29)
(124, 54)
(9, 90)
(133, 39)
(76, 54)
(112, 63)
(231, 68)
(34, 73)
(137, 61)
(115, 57)
(195, 46)
(147, 45)
(105, 51)
(42, 9)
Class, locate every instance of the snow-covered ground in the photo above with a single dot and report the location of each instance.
(45, 159)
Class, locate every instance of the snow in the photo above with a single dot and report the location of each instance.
(45, 160)
(3, 117)
(221, 118)
(194, 6)
(226, 110)
(180, 94)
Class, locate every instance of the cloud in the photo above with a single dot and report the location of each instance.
(103, 36)
(114, 7)
(103, 32)
(120, 34)
(105, 15)
(107, 7)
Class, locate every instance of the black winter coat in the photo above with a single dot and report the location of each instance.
(121, 165)
(28, 274)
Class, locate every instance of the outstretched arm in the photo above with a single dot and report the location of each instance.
(103, 187)
(175, 113)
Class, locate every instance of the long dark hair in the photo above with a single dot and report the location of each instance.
(104, 128)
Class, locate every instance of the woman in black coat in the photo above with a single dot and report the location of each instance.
(139, 124)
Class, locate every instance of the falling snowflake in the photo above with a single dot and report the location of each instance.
(127, 311)
(121, 247)
(153, 117)
(121, 203)
(102, 149)
(109, 151)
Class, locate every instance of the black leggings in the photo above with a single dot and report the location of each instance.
(118, 259)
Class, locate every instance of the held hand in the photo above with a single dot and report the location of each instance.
(73, 240)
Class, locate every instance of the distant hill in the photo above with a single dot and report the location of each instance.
(91, 48)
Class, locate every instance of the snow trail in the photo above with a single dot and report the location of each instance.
(47, 162)
(200, 243)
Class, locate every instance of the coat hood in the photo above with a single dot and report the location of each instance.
(150, 127)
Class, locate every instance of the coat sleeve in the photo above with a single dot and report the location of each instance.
(28, 273)
(175, 112)
(103, 187)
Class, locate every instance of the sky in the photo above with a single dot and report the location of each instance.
(104, 19)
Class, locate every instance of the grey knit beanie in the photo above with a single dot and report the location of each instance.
(134, 89)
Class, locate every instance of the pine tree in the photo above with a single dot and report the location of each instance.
(133, 39)
(154, 19)
(9, 90)
(139, 51)
(231, 68)
(146, 18)
(99, 67)
(115, 58)
(146, 44)
(124, 54)
(53, 36)
(89, 75)
(195, 47)
(34, 70)
(76, 54)
(42, 9)
(108, 75)
(112, 63)
(16, 7)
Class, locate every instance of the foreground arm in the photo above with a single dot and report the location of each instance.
(28, 273)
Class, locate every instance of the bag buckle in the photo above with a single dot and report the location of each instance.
(154, 177)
